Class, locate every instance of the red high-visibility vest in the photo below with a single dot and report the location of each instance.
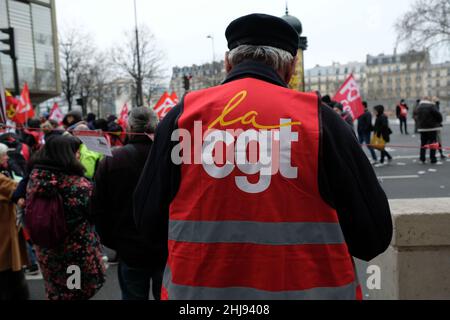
(403, 111)
(239, 230)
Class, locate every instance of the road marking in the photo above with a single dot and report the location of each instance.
(406, 157)
(398, 177)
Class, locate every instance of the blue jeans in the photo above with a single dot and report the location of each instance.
(31, 255)
(403, 124)
(364, 138)
(135, 282)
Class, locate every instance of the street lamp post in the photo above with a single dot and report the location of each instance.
(213, 47)
(213, 71)
(139, 100)
(298, 80)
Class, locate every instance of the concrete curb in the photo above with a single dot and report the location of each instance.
(417, 264)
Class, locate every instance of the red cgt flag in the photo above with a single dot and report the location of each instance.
(350, 97)
(56, 114)
(24, 109)
(164, 105)
(174, 97)
(123, 119)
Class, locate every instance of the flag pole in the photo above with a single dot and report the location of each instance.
(139, 101)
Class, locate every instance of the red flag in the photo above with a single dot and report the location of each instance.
(164, 105)
(350, 97)
(56, 114)
(24, 110)
(11, 106)
(174, 97)
(123, 119)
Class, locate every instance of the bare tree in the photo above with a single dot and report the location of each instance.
(76, 50)
(101, 73)
(426, 25)
(124, 57)
(87, 85)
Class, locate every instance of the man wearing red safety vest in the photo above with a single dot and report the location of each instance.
(402, 115)
(260, 191)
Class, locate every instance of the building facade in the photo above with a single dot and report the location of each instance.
(202, 76)
(438, 83)
(390, 78)
(328, 80)
(34, 23)
(386, 79)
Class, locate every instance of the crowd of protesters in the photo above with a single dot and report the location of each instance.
(46, 170)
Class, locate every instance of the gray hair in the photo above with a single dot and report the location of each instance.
(3, 149)
(276, 58)
(142, 120)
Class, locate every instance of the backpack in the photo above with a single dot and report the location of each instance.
(45, 220)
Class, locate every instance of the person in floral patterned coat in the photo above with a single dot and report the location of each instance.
(57, 166)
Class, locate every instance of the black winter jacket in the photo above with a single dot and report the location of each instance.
(112, 205)
(428, 116)
(365, 123)
(382, 128)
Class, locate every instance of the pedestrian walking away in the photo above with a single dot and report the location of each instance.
(58, 191)
(269, 222)
(365, 128)
(140, 263)
(429, 123)
(382, 130)
(402, 114)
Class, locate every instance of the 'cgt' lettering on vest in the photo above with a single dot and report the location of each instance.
(265, 150)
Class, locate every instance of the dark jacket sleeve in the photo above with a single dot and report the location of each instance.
(362, 205)
(158, 184)
(437, 116)
(100, 205)
(21, 190)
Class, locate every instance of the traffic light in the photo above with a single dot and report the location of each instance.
(11, 51)
(81, 101)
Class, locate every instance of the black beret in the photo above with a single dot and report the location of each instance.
(262, 30)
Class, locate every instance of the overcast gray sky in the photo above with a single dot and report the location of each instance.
(337, 30)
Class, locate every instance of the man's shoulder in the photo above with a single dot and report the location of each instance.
(333, 126)
(123, 152)
(120, 158)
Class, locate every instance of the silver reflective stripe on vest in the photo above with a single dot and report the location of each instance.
(178, 292)
(255, 232)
